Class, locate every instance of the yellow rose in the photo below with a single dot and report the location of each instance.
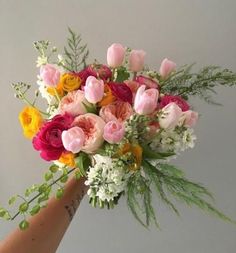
(68, 159)
(59, 90)
(70, 82)
(31, 121)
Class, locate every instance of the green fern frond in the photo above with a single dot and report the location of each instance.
(75, 53)
(187, 83)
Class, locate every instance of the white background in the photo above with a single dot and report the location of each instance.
(185, 31)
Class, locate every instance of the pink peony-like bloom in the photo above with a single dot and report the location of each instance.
(190, 118)
(92, 126)
(121, 91)
(72, 103)
(148, 82)
(136, 60)
(94, 89)
(73, 139)
(169, 116)
(50, 75)
(166, 68)
(145, 100)
(117, 110)
(48, 141)
(114, 132)
(115, 55)
(165, 100)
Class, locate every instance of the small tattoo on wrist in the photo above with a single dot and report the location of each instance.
(73, 205)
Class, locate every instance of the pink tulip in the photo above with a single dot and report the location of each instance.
(169, 116)
(166, 68)
(136, 60)
(114, 132)
(145, 101)
(50, 75)
(73, 139)
(94, 89)
(115, 55)
(190, 118)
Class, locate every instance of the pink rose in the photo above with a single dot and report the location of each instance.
(136, 60)
(48, 140)
(145, 101)
(50, 75)
(121, 91)
(94, 89)
(190, 118)
(117, 110)
(73, 103)
(73, 139)
(165, 100)
(115, 55)
(150, 83)
(169, 116)
(166, 68)
(114, 132)
(92, 126)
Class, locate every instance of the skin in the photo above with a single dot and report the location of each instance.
(48, 227)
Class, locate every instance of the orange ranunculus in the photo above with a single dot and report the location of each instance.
(59, 90)
(108, 97)
(31, 120)
(68, 159)
(70, 82)
(136, 150)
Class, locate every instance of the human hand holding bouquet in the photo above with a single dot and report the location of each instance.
(118, 125)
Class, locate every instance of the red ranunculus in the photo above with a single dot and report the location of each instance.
(48, 141)
(103, 72)
(165, 100)
(85, 73)
(148, 82)
(121, 91)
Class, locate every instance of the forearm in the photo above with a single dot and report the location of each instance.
(48, 227)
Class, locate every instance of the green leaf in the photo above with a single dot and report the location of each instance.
(83, 162)
(2, 212)
(122, 74)
(59, 193)
(170, 170)
(54, 168)
(149, 154)
(64, 179)
(23, 207)
(43, 187)
(77, 174)
(12, 200)
(90, 108)
(48, 176)
(24, 225)
(35, 209)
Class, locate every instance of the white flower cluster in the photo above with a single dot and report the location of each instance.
(106, 179)
(174, 140)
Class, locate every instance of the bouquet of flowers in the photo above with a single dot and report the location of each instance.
(117, 124)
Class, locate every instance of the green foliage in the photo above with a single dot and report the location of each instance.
(187, 83)
(122, 74)
(169, 182)
(83, 162)
(75, 53)
(148, 153)
(139, 199)
(24, 225)
(41, 192)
